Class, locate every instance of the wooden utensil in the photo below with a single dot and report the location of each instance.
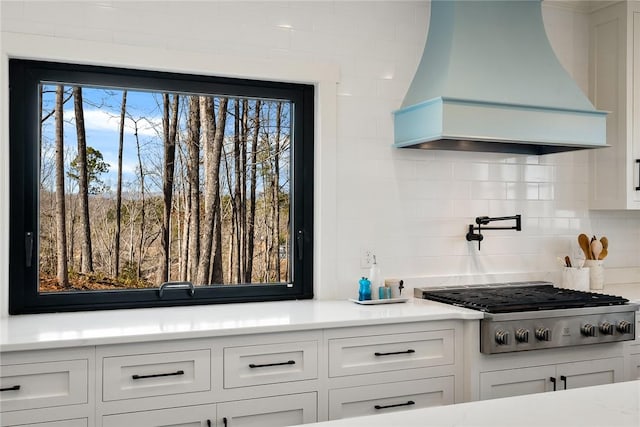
(596, 248)
(583, 241)
(605, 246)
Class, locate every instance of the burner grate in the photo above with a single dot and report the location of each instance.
(508, 299)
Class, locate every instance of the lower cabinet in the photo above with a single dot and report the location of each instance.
(383, 398)
(80, 422)
(538, 379)
(188, 416)
(634, 367)
(264, 412)
(269, 411)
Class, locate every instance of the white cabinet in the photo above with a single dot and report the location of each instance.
(250, 380)
(389, 368)
(390, 397)
(615, 87)
(538, 379)
(190, 416)
(47, 388)
(269, 411)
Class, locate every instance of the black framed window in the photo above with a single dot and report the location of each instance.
(132, 188)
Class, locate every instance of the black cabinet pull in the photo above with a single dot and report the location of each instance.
(288, 362)
(208, 423)
(224, 421)
(638, 162)
(395, 352)
(564, 381)
(170, 374)
(553, 381)
(12, 388)
(409, 403)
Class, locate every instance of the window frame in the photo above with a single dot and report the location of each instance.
(24, 78)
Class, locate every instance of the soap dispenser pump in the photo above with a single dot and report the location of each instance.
(374, 274)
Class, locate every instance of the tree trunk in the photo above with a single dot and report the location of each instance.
(193, 167)
(276, 193)
(83, 182)
(243, 189)
(123, 109)
(142, 207)
(170, 126)
(61, 235)
(237, 196)
(252, 194)
(213, 139)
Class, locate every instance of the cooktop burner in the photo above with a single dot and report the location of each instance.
(517, 297)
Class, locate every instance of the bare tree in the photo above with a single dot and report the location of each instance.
(61, 235)
(252, 194)
(213, 138)
(275, 207)
(83, 185)
(170, 126)
(193, 171)
(123, 110)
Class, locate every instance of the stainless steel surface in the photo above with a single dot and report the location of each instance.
(557, 331)
(543, 329)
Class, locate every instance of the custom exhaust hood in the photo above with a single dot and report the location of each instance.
(489, 81)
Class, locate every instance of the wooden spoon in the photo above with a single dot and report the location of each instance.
(583, 241)
(605, 246)
(596, 248)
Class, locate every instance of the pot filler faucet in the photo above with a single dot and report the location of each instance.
(484, 220)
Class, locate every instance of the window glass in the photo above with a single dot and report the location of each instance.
(158, 179)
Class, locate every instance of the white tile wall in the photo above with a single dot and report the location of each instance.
(410, 207)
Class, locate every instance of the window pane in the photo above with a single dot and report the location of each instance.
(138, 188)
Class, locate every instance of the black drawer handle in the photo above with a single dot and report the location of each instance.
(12, 388)
(288, 362)
(553, 381)
(170, 374)
(395, 352)
(409, 403)
(564, 380)
(638, 162)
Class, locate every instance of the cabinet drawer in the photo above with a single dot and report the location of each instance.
(156, 374)
(379, 353)
(188, 416)
(270, 363)
(41, 385)
(275, 411)
(390, 397)
(80, 422)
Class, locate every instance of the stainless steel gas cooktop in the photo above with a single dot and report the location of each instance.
(537, 315)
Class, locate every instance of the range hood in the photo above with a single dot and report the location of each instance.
(489, 81)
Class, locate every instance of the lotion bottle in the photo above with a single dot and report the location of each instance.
(375, 277)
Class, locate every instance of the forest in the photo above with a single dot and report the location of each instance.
(138, 188)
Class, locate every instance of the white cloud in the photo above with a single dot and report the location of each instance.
(99, 120)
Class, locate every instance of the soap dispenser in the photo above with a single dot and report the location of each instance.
(374, 276)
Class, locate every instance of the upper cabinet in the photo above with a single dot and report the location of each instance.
(614, 86)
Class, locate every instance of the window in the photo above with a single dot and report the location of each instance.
(133, 188)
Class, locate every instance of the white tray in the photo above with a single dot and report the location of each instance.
(379, 301)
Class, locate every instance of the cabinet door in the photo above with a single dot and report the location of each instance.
(80, 422)
(390, 397)
(270, 411)
(590, 372)
(515, 382)
(188, 416)
(634, 367)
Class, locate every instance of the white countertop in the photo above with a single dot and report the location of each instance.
(45, 331)
(612, 405)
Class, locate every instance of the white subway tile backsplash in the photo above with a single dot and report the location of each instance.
(412, 207)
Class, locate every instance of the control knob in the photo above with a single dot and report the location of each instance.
(624, 327)
(502, 337)
(522, 335)
(606, 328)
(588, 330)
(543, 334)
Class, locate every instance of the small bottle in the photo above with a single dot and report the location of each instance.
(374, 274)
(364, 294)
